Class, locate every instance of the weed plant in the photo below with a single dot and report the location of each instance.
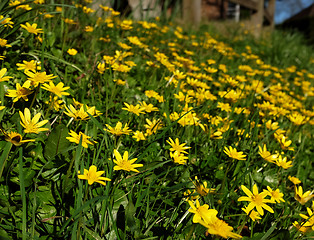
(120, 129)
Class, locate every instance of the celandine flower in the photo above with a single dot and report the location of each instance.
(56, 89)
(32, 125)
(302, 197)
(233, 153)
(15, 138)
(257, 200)
(295, 180)
(118, 129)
(137, 109)
(138, 135)
(20, 92)
(124, 163)
(38, 77)
(77, 137)
(2, 73)
(266, 155)
(275, 195)
(72, 51)
(207, 218)
(92, 175)
(176, 146)
(32, 28)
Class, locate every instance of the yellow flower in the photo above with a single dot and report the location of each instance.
(72, 51)
(176, 146)
(88, 29)
(15, 138)
(3, 43)
(81, 113)
(301, 227)
(118, 129)
(2, 73)
(124, 163)
(101, 67)
(266, 155)
(56, 89)
(252, 214)
(302, 197)
(284, 144)
(32, 28)
(20, 92)
(1, 107)
(224, 106)
(309, 220)
(295, 180)
(257, 200)
(282, 162)
(233, 153)
(92, 175)
(221, 228)
(275, 195)
(148, 108)
(36, 78)
(28, 66)
(152, 126)
(298, 119)
(138, 136)
(207, 218)
(6, 21)
(77, 137)
(201, 188)
(202, 214)
(32, 125)
(179, 158)
(134, 109)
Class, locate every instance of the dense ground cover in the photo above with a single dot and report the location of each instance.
(116, 129)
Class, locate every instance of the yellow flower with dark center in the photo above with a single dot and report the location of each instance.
(36, 78)
(20, 92)
(118, 129)
(2, 77)
(56, 89)
(257, 200)
(275, 195)
(16, 138)
(124, 163)
(233, 153)
(32, 125)
(92, 175)
(302, 197)
(77, 137)
(32, 28)
(176, 146)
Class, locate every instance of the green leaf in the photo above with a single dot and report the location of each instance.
(56, 142)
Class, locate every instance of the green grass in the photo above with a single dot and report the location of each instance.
(208, 106)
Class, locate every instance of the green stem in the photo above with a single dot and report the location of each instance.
(4, 156)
